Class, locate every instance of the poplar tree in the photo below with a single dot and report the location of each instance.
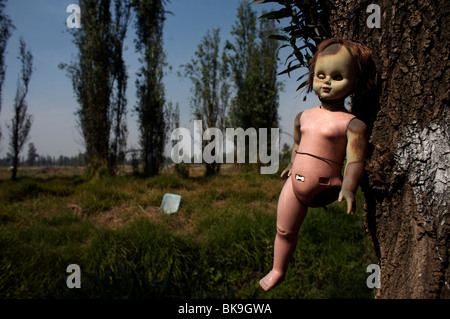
(150, 16)
(243, 57)
(21, 122)
(252, 55)
(209, 74)
(253, 59)
(6, 27)
(99, 80)
(32, 154)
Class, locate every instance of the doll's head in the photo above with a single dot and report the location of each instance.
(340, 68)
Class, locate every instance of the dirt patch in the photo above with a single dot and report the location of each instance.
(119, 216)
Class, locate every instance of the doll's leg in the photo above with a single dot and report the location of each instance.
(290, 215)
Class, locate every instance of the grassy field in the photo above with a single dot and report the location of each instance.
(218, 245)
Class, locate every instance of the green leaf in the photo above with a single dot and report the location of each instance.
(302, 76)
(280, 14)
(266, 1)
(278, 37)
(301, 86)
(299, 56)
(290, 69)
(284, 46)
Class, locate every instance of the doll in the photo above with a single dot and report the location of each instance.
(323, 137)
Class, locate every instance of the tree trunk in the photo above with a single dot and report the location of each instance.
(14, 168)
(212, 169)
(408, 174)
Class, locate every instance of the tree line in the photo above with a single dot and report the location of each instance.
(99, 79)
(33, 159)
(246, 66)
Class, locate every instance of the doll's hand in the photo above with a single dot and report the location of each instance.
(349, 198)
(287, 170)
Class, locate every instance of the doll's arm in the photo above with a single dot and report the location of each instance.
(297, 137)
(356, 156)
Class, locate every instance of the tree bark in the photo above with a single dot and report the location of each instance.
(408, 173)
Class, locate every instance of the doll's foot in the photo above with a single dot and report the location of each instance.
(272, 279)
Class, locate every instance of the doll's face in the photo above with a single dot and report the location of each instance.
(334, 74)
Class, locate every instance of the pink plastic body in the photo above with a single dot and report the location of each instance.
(316, 171)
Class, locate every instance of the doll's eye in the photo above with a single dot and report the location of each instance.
(321, 76)
(338, 77)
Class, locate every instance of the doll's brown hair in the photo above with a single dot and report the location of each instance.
(366, 71)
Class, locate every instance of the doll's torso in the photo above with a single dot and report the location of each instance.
(324, 133)
(321, 152)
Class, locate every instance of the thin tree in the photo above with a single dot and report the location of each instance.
(150, 16)
(172, 118)
(6, 27)
(32, 155)
(243, 56)
(21, 122)
(269, 86)
(208, 72)
(119, 129)
(253, 59)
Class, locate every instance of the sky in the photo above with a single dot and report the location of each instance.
(51, 100)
